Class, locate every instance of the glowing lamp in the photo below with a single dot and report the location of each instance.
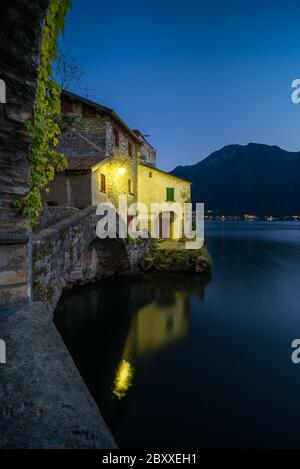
(121, 171)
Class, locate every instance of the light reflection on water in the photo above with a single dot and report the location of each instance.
(153, 327)
(127, 330)
(190, 361)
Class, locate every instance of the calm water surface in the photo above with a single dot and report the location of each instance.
(186, 361)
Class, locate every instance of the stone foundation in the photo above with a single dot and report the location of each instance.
(69, 254)
(170, 260)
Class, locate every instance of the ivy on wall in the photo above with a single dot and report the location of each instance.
(43, 128)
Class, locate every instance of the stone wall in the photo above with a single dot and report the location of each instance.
(69, 253)
(116, 184)
(50, 216)
(90, 136)
(93, 135)
(14, 267)
(91, 128)
(21, 26)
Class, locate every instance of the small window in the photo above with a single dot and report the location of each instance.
(116, 137)
(130, 149)
(88, 111)
(150, 174)
(66, 106)
(170, 194)
(129, 186)
(103, 183)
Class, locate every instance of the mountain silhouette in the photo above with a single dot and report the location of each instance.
(255, 179)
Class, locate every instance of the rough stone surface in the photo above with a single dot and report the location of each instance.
(184, 260)
(50, 216)
(69, 253)
(14, 272)
(21, 26)
(96, 127)
(56, 251)
(43, 400)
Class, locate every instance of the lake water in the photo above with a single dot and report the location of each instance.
(189, 361)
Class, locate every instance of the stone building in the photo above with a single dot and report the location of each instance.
(102, 153)
(162, 188)
(107, 159)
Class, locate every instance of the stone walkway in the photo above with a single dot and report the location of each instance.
(44, 402)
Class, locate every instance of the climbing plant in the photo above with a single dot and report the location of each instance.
(43, 128)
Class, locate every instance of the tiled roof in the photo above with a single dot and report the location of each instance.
(83, 163)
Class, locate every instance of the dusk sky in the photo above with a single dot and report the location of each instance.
(194, 75)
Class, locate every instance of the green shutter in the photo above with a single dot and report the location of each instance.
(170, 194)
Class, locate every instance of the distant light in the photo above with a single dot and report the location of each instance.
(121, 171)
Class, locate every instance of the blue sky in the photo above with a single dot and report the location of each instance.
(194, 75)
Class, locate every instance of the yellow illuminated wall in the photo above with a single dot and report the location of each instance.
(117, 171)
(153, 184)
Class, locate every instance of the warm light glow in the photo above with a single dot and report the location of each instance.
(123, 379)
(121, 171)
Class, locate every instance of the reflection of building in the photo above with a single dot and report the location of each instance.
(113, 336)
(153, 327)
(156, 326)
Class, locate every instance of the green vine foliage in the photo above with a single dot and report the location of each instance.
(43, 128)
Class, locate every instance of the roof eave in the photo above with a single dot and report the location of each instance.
(103, 109)
(167, 174)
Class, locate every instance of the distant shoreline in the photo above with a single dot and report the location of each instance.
(252, 220)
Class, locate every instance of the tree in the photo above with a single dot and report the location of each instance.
(67, 72)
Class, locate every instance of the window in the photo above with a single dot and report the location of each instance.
(116, 137)
(103, 183)
(66, 106)
(88, 111)
(129, 186)
(170, 194)
(130, 149)
(150, 174)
